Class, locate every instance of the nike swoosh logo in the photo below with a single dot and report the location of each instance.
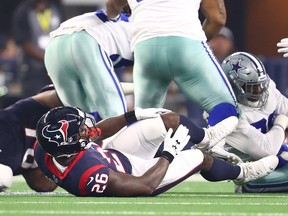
(90, 180)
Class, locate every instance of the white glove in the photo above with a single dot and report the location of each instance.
(282, 121)
(220, 152)
(283, 47)
(173, 145)
(149, 113)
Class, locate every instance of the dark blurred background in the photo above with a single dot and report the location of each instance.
(256, 26)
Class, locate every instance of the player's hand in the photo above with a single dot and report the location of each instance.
(220, 152)
(282, 121)
(173, 144)
(149, 113)
(283, 47)
(283, 155)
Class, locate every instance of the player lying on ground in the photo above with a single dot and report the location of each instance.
(17, 128)
(124, 164)
(263, 121)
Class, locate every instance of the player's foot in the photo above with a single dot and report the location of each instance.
(218, 132)
(257, 169)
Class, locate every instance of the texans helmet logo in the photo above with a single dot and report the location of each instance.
(58, 135)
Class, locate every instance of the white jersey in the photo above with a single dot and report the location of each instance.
(113, 37)
(152, 18)
(255, 134)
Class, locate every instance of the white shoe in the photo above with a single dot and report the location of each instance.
(257, 169)
(218, 132)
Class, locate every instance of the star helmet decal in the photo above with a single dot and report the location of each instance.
(56, 135)
(237, 65)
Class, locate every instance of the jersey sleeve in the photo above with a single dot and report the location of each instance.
(253, 142)
(94, 181)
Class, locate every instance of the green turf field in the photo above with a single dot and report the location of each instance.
(194, 198)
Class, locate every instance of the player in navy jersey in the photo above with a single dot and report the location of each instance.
(17, 129)
(124, 164)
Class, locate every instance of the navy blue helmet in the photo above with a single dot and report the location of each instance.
(64, 131)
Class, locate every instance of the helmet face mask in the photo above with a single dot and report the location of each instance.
(248, 79)
(65, 131)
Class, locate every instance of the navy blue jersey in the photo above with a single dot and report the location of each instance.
(17, 134)
(88, 173)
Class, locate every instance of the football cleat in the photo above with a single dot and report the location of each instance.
(257, 169)
(215, 134)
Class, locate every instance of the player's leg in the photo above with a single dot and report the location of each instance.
(150, 86)
(101, 85)
(95, 78)
(201, 78)
(141, 139)
(63, 71)
(182, 167)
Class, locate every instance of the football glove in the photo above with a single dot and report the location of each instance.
(173, 144)
(282, 121)
(283, 47)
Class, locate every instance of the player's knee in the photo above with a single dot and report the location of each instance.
(222, 111)
(207, 162)
(171, 120)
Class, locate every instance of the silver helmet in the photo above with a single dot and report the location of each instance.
(248, 78)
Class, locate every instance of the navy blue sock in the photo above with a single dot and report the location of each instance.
(221, 170)
(196, 133)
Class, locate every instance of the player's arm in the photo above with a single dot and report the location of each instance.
(114, 7)
(112, 125)
(48, 98)
(38, 181)
(250, 140)
(127, 185)
(215, 17)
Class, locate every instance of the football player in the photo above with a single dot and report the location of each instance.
(263, 121)
(124, 164)
(158, 38)
(81, 57)
(17, 128)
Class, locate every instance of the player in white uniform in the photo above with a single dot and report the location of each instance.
(263, 121)
(169, 43)
(81, 58)
(125, 165)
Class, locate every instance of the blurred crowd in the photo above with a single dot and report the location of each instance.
(22, 71)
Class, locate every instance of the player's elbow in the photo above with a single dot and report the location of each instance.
(43, 188)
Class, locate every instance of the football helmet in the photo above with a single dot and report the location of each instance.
(248, 78)
(65, 131)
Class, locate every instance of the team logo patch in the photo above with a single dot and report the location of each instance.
(56, 135)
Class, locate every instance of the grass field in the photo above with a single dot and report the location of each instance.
(192, 198)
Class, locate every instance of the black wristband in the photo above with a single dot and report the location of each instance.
(130, 117)
(168, 156)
